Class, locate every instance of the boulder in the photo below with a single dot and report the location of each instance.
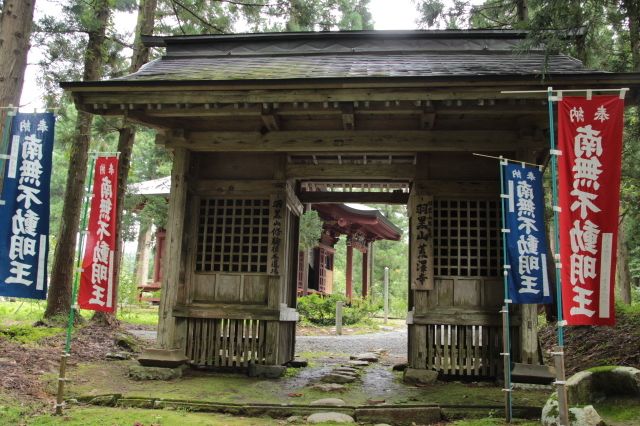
(583, 416)
(294, 419)
(266, 371)
(419, 376)
(586, 387)
(338, 378)
(328, 401)
(126, 342)
(167, 358)
(330, 417)
(139, 372)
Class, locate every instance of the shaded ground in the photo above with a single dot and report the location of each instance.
(587, 347)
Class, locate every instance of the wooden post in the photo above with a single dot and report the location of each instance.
(61, 380)
(339, 304)
(506, 363)
(349, 272)
(365, 274)
(386, 294)
(563, 403)
(174, 261)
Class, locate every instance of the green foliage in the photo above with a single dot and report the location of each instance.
(28, 333)
(310, 229)
(321, 310)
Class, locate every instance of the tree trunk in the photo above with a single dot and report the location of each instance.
(624, 274)
(127, 134)
(523, 10)
(15, 30)
(141, 267)
(633, 14)
(59, 299)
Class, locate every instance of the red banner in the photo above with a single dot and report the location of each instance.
(97, 292)
(590, 141)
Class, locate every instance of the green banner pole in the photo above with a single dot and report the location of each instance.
(558, 351)
(506, 332)
(74, 290)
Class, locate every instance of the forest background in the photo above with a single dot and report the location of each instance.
(81, 41)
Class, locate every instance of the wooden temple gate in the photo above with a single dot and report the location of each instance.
(251, 118)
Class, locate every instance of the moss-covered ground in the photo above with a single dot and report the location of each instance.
(377, 383)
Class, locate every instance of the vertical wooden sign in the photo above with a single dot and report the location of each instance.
(421, 240)
(277, 209)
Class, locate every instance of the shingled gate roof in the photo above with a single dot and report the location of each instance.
(366, 54)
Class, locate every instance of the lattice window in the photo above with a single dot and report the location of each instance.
(466, 237)
(233, 235)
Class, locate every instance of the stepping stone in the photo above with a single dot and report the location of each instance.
(118, 356)
(329, 387)
(330, 417)
(338, 378)
(356, 363)
(328, 401)
(346, 370)
(400, 367)
(367, 356)
(298, 363)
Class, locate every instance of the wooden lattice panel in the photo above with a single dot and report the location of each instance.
(233, 235)
(220, 342)
(466, 238)
(459, 350)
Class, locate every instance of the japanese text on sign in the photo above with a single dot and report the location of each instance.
(590, 140)
(24, 213)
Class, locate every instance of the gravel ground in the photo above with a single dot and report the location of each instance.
(393, 342)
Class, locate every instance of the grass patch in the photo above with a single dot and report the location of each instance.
(21, 312)
(139, 315)
(27, 334)
(493, 422)
(619, 410)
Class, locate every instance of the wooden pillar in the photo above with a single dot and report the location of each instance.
(349, 272)
(174, 261)
(365, 274)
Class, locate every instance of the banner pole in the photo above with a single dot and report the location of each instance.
(558, 351)
(506, 335)
(74, 292)
(4, 145)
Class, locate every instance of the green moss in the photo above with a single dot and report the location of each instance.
(602, 368)
(28, 334)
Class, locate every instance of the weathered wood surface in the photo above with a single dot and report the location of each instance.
(231, 310)
(175, 249)
(354, 197)
(351, 171)
(350, 141)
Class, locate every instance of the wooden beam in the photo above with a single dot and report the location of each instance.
(427, 119)
(348, 118)
(354, 197)
(270, 119)
(351, 172)
(352, 141)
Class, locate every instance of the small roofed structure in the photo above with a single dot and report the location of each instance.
(362, 226)
(253, 119)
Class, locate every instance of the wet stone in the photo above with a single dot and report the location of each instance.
(328, 401)
(330, 417)
(346, 370)
(338, 378)
(367, 356)
(356, 363)
(329, 387)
